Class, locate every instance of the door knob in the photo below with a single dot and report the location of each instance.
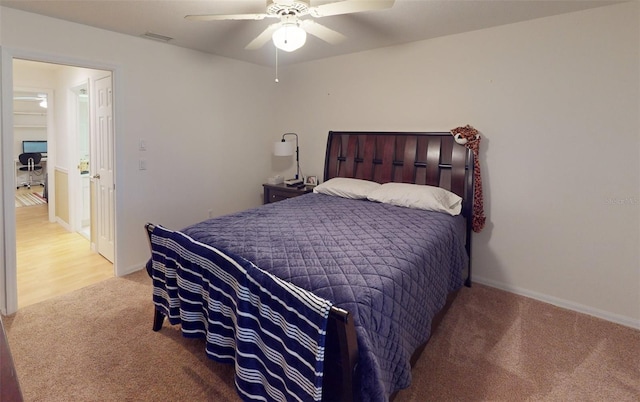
(96, 176)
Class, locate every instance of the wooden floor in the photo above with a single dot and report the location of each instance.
(52, 261)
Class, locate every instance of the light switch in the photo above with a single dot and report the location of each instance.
(142, 164)
(142, 145)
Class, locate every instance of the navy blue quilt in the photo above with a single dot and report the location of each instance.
(391, 267)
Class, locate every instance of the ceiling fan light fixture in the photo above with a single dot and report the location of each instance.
(289, 37)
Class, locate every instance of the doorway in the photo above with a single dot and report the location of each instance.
(39, 275)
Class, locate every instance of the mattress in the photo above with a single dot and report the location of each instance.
(391, 267)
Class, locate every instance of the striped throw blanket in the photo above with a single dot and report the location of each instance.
(272, 331)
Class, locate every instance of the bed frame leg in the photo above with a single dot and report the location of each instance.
(341, 360)
(158, 320)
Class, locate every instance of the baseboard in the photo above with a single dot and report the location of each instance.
(64, 224)
(133, 268)
(569, 305)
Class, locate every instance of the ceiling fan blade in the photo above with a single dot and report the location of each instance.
(263, 38)
(322, 32)
(221, 17)
(349, 6)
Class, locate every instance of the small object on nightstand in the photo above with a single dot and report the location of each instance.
(279, 192)
(311, 180)
(275, 180)
(293, 182)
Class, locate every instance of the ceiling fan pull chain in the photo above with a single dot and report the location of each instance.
(276, 65)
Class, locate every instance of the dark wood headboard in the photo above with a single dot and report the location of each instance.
(406, 157)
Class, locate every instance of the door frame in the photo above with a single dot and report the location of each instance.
(8, 269)
(75, 182)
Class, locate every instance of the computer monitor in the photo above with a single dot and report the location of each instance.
(34, 146)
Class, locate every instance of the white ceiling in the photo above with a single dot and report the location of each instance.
(406, 21)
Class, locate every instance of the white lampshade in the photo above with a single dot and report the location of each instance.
(289, 37)
(283, 148)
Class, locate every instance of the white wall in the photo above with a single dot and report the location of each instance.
(557, 102)
(66, 78)
(205, 120)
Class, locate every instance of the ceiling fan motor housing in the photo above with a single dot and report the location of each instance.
(287, 7)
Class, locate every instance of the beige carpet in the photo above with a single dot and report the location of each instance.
(96, 344)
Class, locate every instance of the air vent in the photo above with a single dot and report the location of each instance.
(155, 36)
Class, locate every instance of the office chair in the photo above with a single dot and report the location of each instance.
(31, 162)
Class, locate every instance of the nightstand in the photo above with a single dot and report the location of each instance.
(279, 192)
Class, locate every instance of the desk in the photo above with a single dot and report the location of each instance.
(42, 176)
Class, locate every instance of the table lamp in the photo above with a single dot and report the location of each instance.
(284, 148)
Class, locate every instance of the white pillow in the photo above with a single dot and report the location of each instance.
(346, 187)
(418, 196)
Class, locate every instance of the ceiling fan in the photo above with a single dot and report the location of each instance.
(291, 32)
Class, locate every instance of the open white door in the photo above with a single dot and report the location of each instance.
(104, 175)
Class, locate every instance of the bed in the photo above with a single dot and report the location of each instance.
(367, 280)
